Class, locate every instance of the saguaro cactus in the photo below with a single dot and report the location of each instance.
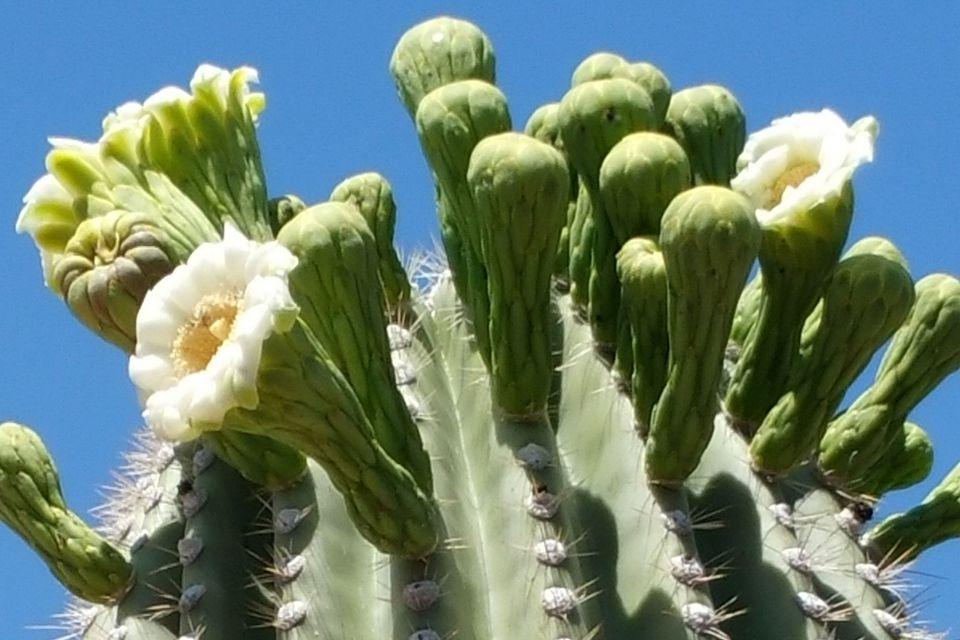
(588, 426)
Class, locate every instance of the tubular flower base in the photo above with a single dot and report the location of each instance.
(587, 427)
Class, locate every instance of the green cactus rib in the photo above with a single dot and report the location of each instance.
(797, 254)
(594, 116)
(643, 278)
(372, 195)
(866, 300)
(709, 124)
(905, 535)
(31, 504)
(451, 120)
(336, 283)
(306, 403)
(709, 239)
(519, 184)
(924, 351)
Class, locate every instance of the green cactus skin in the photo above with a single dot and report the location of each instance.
(581, 249)
(866, 299)
(594, 116)
(709, 238)
(373, 196)
(748, 310)
(638, 179)
(451, 120)
(643, 278)
(519, 184)
(337, 283)
(545, 529)
(709, 124)
(438, 52)
(906, 535)
(924, 351)
(797, 255)
(32, 505)
(544, 125)
(906, 462)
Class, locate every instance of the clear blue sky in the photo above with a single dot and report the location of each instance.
(332, 112)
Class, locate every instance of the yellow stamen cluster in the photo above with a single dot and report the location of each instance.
(792, 177)
(200, 339)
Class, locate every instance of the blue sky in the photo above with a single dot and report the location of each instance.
(332, 112)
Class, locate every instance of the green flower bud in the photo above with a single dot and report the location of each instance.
(709, 124)
(597, 66)
(437, 52)
(337, 286)
(371, 194)
(594, 117)
(282, 210)
(908, 461)
(651, 80)
(866, 299)
(643, 278)
(107, 268)
(581, 250)
(797, 254)
(32, 504)
(871, 245)
(519, 186)
(904, 536)
(544, 125)
(709, 238)
(451, 121)
(924, 351)
(638, 179)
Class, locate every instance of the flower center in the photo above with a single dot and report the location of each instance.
(792, 177)
(200, 339)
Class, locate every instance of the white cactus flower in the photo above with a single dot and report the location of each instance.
(200, 333)
(801, 160)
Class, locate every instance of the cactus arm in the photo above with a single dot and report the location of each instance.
(637, 593)
(519, 185)
(906, 535)
(709, 124)
(924, 351)
(867, 298)
(796, 256)
(372, 195)
(217, 594)
(709, 239)
(31, 504)
(337, 285)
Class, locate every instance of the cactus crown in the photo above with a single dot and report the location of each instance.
(589, 425)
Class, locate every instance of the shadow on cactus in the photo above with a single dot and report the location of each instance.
(589, 425)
